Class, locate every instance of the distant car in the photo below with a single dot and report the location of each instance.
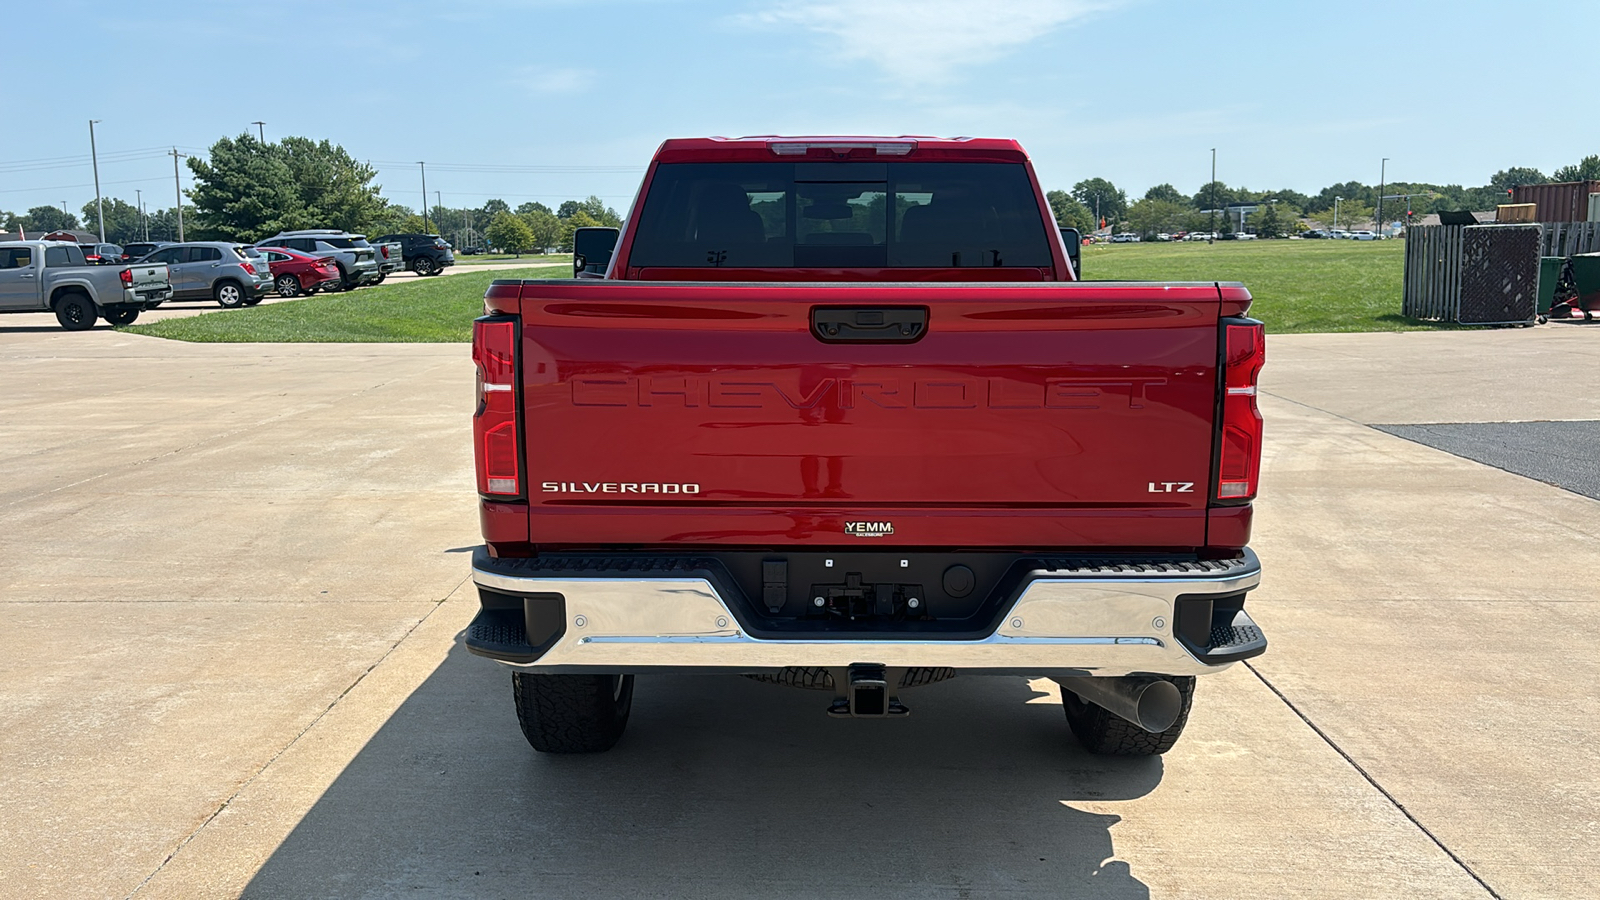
(1126, 237)
(1362, 236)
(1315, 235)
(424, 254)
(1243, 236)
(1197, 236)
(101, 254)
(357, 261)
(295, 273)
(141, 249)
(231, 274)
(472, 251)
(1338, 234)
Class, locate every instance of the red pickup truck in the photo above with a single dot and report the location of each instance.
(838, 415)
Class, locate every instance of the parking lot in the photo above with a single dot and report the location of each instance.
(233, 576)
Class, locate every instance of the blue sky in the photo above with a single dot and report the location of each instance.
(570, 98)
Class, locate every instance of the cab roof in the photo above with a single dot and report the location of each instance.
(777, 148)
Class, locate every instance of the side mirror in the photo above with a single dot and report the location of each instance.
(591, 251)
(1074, 249)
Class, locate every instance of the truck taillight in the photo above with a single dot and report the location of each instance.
(127, 277)
(1239, 463)
(385, 252)
(496, 448)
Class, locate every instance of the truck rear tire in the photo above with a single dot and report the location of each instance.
(572, 713)
(75, 311)
(1104, 733)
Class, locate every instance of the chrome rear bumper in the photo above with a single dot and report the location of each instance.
(1107, 621)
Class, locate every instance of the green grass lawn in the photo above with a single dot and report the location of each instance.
(1297, 285)
(439, 309)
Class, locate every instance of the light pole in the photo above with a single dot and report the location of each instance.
(261, 130)
(99, 207)
(138, 201)
(1382, 171)
(1336, 213)
(1212, 237)
(424, 168)
(177, 188)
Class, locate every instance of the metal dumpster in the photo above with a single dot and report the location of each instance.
(1586, 278)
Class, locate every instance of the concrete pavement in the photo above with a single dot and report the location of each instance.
(232, 578)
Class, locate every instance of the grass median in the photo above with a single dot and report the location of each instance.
(433, 310)
(1298, 286)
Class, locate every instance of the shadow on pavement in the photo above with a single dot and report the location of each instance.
(722, 787)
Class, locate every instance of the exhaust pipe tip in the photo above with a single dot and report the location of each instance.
(1158, 706)
(1153, 704)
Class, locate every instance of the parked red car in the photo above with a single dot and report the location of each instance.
(295, 273)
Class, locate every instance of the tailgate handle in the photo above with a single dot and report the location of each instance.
(869, 324)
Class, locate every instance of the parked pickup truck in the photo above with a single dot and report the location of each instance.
(838, 416)
(41, 276)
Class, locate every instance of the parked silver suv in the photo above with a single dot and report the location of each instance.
(357, 261)
(231, 274)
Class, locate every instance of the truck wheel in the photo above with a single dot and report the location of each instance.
(422, 266)
(121, 316)
(1106, 734)
(572, 713)
(75, 311)
(228, 294)
(288, 286)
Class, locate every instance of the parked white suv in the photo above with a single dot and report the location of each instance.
(357, 261)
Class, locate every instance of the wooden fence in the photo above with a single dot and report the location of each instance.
(1432, 286)
(1570, 238)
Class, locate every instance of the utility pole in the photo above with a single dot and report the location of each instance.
(177, 187)
(1336, 213)
(1212, 237)
(1382, 170)
(99, 206)
(261, 130)
(424, 168)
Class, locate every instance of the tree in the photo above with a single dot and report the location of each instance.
(1148, 217)
(1100, 195)
(1070, 213)
(1505, 179)
(509, 232)
(1214, 195)
(531, 207)
(543, 224)
(332, 189)
(1268, 221)
(579, 219)
(45, 219)
(122, 220)
(243, 191)
(1167, 193)
(566, 209)
(1587, 169)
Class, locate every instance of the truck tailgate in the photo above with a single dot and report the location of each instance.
(148, 276)
(1023, 416)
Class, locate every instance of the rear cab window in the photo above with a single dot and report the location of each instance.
(855, 214)
(16, 257)
(64, 256)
